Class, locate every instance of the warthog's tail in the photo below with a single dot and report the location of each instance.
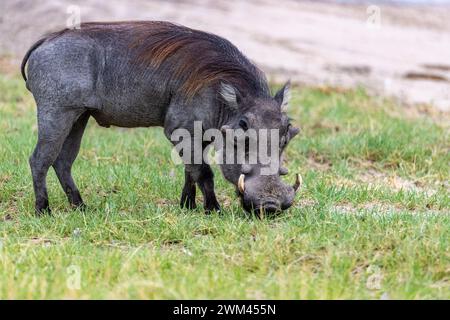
(27, 55)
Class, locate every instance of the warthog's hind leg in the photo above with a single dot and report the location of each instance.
(65, 159)
(54, 125)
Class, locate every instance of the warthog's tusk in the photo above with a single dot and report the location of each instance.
(298, 182)
(241, 185)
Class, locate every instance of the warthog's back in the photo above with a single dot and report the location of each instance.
(126, 73)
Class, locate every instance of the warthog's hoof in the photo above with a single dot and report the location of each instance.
(188, 202)
(214, 206)
(42, 208)
(80, 206)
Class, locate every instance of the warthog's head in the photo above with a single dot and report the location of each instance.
(262, 129)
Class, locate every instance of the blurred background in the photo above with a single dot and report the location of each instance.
(392, 48)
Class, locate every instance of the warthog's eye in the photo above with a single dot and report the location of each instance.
(243, 124)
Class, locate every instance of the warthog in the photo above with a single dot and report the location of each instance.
(142, 74)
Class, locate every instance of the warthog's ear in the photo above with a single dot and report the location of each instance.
(293, 131)
(283, 96)
(229, 95)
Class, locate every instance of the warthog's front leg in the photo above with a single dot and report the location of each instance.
(204, 177)
(188, 193)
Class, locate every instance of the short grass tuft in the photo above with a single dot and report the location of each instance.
(372, 219)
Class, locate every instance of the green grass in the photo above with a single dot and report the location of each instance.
(371, 221)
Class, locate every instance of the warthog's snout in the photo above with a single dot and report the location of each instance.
(266, 195)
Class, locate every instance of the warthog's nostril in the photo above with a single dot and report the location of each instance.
(271, 206)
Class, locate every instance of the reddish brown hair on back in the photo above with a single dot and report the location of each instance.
(199, 59)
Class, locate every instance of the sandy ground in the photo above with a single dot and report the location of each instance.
(395, 51)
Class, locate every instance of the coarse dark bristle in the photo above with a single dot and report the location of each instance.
(200, 59)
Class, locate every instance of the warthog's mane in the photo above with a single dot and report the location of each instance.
(195, 58)
(200, 59)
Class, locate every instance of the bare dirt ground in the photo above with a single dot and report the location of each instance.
(391, 50)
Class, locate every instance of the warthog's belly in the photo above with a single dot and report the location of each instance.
(129, 117)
